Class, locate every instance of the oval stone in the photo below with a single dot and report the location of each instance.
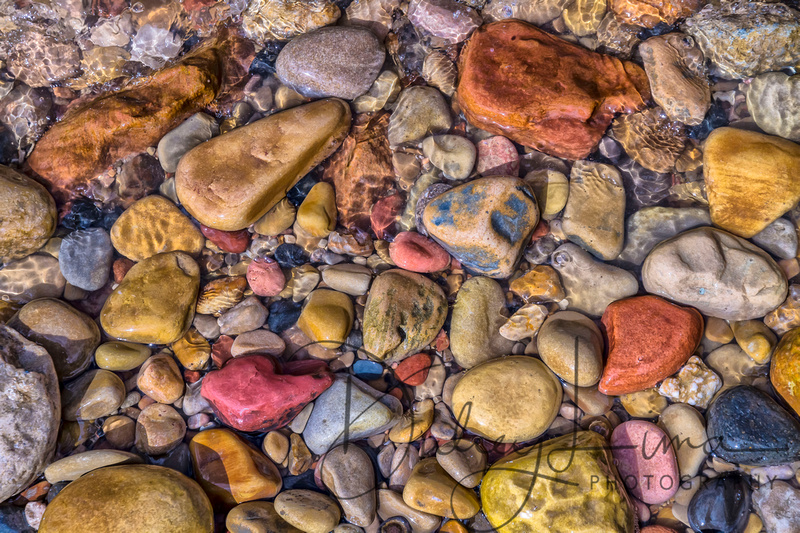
(572, 346)
(130, 499)
(721, 504)
(27, 215)
(513, 399)
(646, 461)
(95, 394)
(478, 314)
(785, 370)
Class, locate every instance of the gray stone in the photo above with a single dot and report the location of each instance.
(773, 100)
(193, 401)
(720, 274)
(420, 111)
(36, 276)
(779, 239)
(340, 61)
(370, 412)
(196, 129)
(778, 505)
(30, 411)
(650, 225)
(247, 315)
(85, 258)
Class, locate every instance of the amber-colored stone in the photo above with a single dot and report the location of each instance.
(160, 379)
(785, 369)
(230, 470)
(650, 138)
(543, 92)
(27, 217)
(649, 339)
(431, 490)
(361, 170)
(540, 284)
(221, 294)
(649, 13)
(787, 315)
(95, 134)
(192, 350)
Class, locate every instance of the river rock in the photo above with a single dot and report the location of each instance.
(340, 61)
(778, 505)
(230, 470)
(348, 278)
(464, 460)
(232, 180)
(30, 413)
(594, 217)
(513, 399)
(650, 225)
(479, 311)
(571, 345)
(159, 429)
(686, 429)
(257, 393)
(327, 317)
(447, 21)
(452, 154)
(36, 276)
(348, 473)
(695, 384)
(85, 258)
(74, 466)
(646, 461)
(675, 67)
(129, 499)
(369, 412)
(748, 178)
(648, 340)
(404, 313)
(257, 517)
(785, 368)
(420, 112)
(268, 20)
(95, 134)
(431, 490)
(720, 504)
(195, 130)
(485, 223)
(308, 510)
(591, 285)
(512, 502)
(138, 310)
(720, 274)
(538, 285)
(69, 336)
(160, 379)
(95, 394)
(27, 218)
(154, 225)
(650, 14)
(743, 39)
(417, 253)
(391, 504)
(316, 216)
(772, 100)
(747, 426)
(120, 356)
(500, 91)
(779, 239)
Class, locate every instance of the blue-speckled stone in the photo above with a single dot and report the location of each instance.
(367, 370)
(485, 223)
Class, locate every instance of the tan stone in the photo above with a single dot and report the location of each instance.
(119, 356)
(755, 338)
(307, 510)
(644, 404)
(257, 517)
(160, 378)
(192, 350)
(232, 180)
(154, 225)
(414, 423)
(159, 429)
(95, 394)
(571, 345)
(27, 215)
(74, 466)
(276, 220)
(327, 317)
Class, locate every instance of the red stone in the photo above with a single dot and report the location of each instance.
(541, 229)
(36, 492)
(253, 393)
(265, 277)
(191, 376)
(657, 529)
(540, 91)
(649, 339)
(497, 156)
(384, 215)
(121, 267)
(414, 370)
(221, 350)
(417, 253)
(442, 341)
(234, 242)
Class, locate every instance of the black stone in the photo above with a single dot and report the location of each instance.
(298, 193)
(12, 519)
(82, 214)
(109, 217)
(303, 481)
(747, 426)
(659, 29)
(721, 505)
(716, 117)
(8, 146)
(55, 489)
(179, 459)
(290, 255)
(264, 62)
(283, 314)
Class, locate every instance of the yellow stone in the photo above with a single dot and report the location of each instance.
(154, 225)
(509, 399)
(276, 220)
(431, 490)
(575, 488)
(119, 356)
(755, 338)
(414, 423)
(192, 350)
(751, 179)
(232, 180)
(27, 215)
(317, 213)
(257, 517)
(308, 510)
(327, 317)
(540, 284)
(130, 499)
(784, 372)
(94, 394)
(644, 404)
(718, 330)
(155, 302)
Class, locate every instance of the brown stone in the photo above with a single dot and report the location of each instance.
(543, 92)
(361, 170)
(649, 339)
(650, 138)
(649, 13)
(27, 215)
(160, 379)
(98, 132)
(785, 370)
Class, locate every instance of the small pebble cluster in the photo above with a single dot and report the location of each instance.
(399, 266)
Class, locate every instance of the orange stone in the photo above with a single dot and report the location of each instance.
(649, 339)
(540, 284)
(414, 370)
(230, 470)
(649, 13)
(785, 370)
(543, 92)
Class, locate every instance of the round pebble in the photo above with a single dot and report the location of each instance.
(415, 252)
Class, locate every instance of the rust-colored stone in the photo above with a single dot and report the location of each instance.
(785, 370)
(361, 170)
(543, 92)
(649, 13)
